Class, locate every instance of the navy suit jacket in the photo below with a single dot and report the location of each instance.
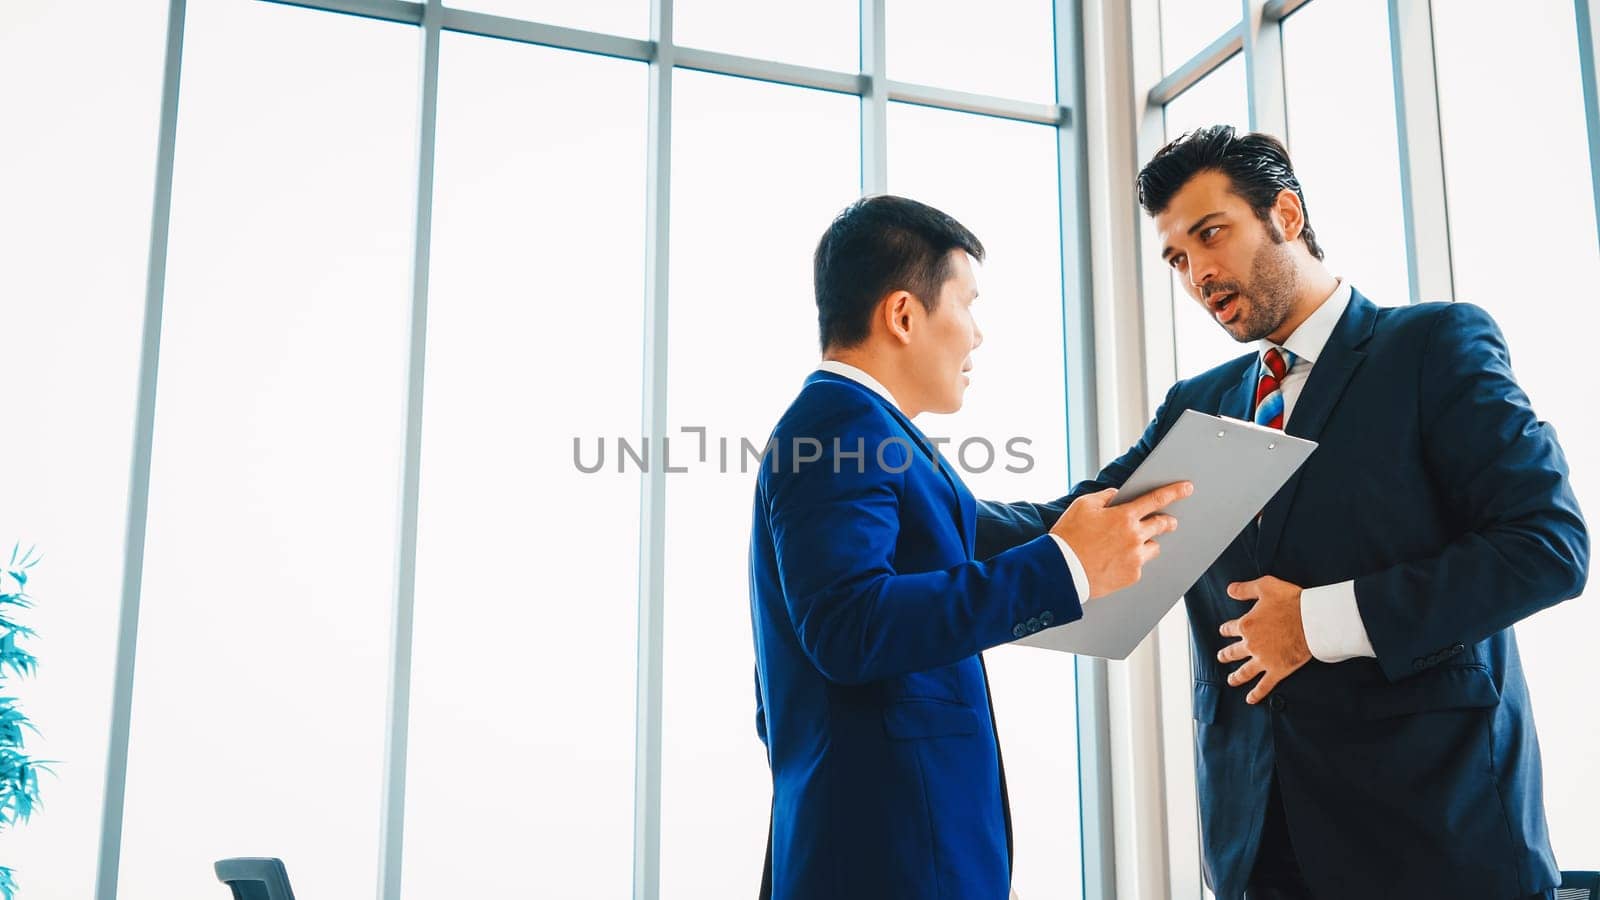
(869, 612)
(1415, 774)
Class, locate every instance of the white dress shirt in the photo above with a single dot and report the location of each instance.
(1080, 577)
(1329, 615)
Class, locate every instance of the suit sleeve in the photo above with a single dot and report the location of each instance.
(1502, 479)
(835, 527)
(1002, 526)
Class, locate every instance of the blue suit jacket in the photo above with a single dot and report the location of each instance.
(869, 613)
(1415, 774)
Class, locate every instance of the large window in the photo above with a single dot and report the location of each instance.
(395, 627)
(1522, 234)
(1219, 99)
(1006, 50)
(259, 696)
(526, 582)
(820, 33)
(81, 85)
(758, 171)
(1336, 56)
(1013, 210)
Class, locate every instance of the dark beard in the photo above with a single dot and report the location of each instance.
(1271, 290)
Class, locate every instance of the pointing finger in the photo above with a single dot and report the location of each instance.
(1161, 497)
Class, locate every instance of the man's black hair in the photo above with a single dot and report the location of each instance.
(876, 246)
(1257, 165)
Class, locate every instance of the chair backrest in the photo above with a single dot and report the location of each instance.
(255, 878)
(1579, 886)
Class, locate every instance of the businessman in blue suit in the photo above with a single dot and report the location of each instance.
(1364, 728)
(868, 607)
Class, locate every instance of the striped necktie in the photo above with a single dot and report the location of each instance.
(1275, 364)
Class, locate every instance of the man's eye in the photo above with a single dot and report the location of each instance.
(1207, 234)
(1176, 261)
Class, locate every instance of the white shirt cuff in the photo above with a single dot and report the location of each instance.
(1332, 622)
(1080, 578)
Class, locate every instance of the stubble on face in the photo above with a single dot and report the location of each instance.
(1270, 290)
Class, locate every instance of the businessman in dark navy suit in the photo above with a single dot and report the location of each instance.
(868, 608)
(1364, 728)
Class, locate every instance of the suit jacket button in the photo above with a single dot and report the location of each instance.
(1457, 649)
(1277, 703)
(1033, 625)
(1419, 664)
(1047, 618)
(1019, 631)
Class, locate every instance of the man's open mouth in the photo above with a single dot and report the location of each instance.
(1225, 307)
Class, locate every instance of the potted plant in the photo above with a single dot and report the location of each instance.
(19, 773)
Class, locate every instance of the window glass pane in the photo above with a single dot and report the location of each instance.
(759, 171)
(629, 18)
(1523, 246)
(526, 566)
(76, 167)
(1017, 392)
(1189, 26)
(1219, 99)
(1005, 48)
(821, 33)
(1336, 57)
(259, 706)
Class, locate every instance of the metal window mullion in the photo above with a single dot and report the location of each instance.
(870, 83)
(874, 98)
(408, 12)
(1422, 179)
(1097, 852)
(463, 21)
(1278, 10)
(767, 70)
(1263, 60)
(1208, 60)
(1122, 58)
(391, 835)
(138, 509)
(1588, 40)
(653, 487)
(979, 104)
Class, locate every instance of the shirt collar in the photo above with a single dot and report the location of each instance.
(845, 370)
(1308, 340)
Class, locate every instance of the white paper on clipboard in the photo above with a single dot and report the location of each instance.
(1236, 468)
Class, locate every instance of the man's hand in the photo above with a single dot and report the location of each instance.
(1272, 640)
(1114, 542)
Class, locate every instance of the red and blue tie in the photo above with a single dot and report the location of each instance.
(1275, 364)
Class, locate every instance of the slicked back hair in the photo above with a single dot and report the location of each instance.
(1257, 166)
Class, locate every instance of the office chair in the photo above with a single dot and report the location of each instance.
(255, 878)
(1579, 886)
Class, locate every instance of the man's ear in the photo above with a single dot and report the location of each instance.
(1289, 214)
(898, 314)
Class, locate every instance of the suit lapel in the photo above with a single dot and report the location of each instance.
(1330, 375)
(1240, 400)
(966, 506)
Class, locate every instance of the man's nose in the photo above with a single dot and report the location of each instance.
(1201, 270)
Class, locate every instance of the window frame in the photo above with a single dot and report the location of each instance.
(663, 57)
